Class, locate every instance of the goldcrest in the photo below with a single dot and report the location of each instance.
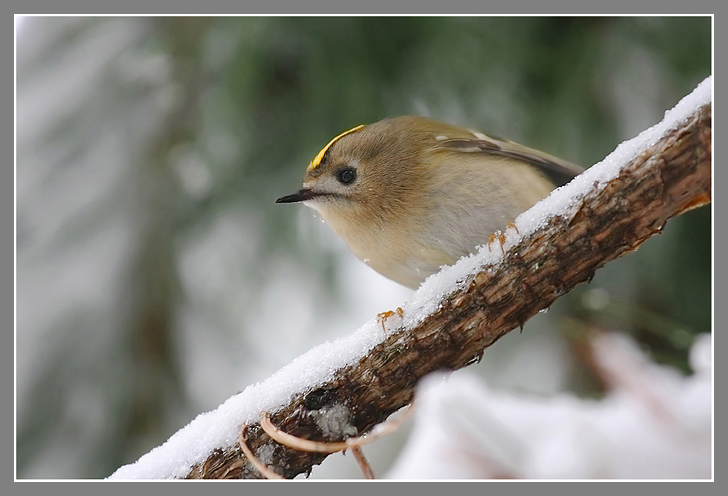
(410, 194)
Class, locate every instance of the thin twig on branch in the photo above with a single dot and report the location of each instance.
(666, 179)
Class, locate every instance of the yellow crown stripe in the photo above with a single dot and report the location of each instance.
(317, 161)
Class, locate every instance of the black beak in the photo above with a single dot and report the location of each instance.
(302, 195)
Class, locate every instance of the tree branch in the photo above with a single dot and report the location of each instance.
(668, 178)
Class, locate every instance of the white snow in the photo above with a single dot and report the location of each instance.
(653, 424)
(220, 427)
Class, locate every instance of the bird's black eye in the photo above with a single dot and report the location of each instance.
(346, 175)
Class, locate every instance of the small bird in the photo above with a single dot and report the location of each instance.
(410, 194)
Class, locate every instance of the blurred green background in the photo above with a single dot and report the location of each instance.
(155, 275)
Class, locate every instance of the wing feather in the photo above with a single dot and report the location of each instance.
(561, 170)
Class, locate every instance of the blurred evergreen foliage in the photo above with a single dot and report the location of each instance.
(170, 129)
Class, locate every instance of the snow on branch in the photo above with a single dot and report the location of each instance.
(347, 387)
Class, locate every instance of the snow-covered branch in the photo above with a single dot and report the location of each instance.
(353, 384)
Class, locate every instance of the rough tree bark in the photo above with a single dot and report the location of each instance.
(667, 179)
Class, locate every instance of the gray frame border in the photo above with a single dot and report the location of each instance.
(215, 7)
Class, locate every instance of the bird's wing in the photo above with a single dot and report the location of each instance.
(560, 170)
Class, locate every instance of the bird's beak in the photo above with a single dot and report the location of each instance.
(302, 195)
